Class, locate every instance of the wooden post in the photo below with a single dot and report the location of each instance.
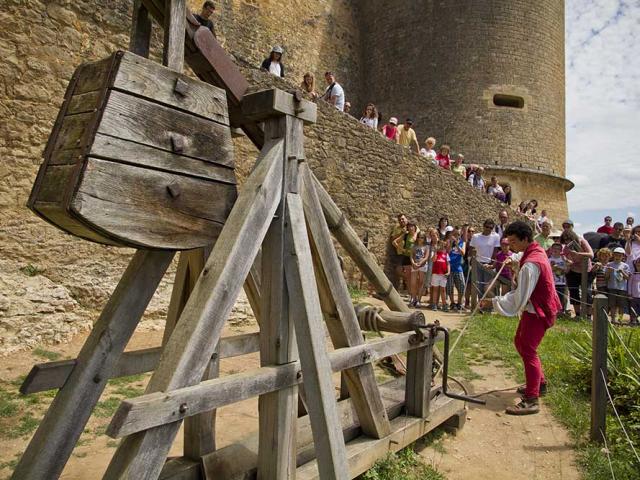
(189, 350)
(584, 286)
(140, 37)
(70, 410)
(418, 385)
(599, 367)
(316, 368)
(175, 20)
(474, 283)
(278, 410)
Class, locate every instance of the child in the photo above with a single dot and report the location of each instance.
(603, 256)
(559, 268)
(456, 278)
(617, 275)
(419, 260)
(501, 256)
(634, 293)
(440, 271)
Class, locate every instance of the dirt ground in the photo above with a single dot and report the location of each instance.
(492, 445)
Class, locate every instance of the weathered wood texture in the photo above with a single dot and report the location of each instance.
(307, 316)
(419, 375)
(47, 376)
(70, 410)
(174, 24)
(188, 351)
(277, 410)
(267, 103)
(387, 320)
(133, 145)
(340, 316)
(158, 408)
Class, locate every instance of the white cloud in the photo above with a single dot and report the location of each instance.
(603, 101)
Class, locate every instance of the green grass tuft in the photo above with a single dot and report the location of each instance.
(47, 354)
(403, 465)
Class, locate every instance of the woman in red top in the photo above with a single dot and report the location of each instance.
(443, 158)
(390, 130)
(439, 273)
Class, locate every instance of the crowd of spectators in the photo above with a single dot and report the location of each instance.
(436, 262)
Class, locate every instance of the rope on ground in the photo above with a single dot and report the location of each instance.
(606, 387)
(606, 449)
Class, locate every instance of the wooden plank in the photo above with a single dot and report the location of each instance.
(65, 157)
(140, 37)
(137, 206)
(252, 289)
(159, 408)
(307, 315)
(93, 76)
(139, 120)
(181, 469)
(267, 103)
(200, 429)
(187, 354)
(50, 375)
(71, 131)
(123, 151)
(343, 327)
(150, 80)
(277, 409)
(599, 374)
(55, 214)
(362, 453)
(70, 410)
(174, 24)
(390, 321)
(348, 238)
(55, 182)
(84, 102)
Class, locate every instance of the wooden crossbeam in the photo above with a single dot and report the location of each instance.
(70, 410)
(187, 353)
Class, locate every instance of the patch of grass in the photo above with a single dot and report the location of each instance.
(80, 454)
(356, 293)
(106, 408)
(8, 405)
(129, 391)
(112, 443)
(568, 401)
(114, 382)
(46, 354)
(403, 465)
(10, 464)
(26, 425)
(31, 270)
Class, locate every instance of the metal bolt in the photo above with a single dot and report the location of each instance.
(97, 379)
(183, 408)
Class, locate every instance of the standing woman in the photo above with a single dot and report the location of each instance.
(404, 244)
(308, 85)
(507, 193)
(575, 250)
(443, 223)
(370, 116)
(632, 247)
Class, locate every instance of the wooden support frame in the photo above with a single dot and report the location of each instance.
(67, 416)
(140, 37)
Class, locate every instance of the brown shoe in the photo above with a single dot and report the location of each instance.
(527, 406)
(543, 389)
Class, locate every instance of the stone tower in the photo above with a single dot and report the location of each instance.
(486, 76)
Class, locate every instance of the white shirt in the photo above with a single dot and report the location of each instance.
(430, 154)
(337, 92)
(275, 68)
(370, 122)
(484, 245)
(480, 185)
(514, 302)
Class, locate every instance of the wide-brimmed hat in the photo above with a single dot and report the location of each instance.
(393, 120)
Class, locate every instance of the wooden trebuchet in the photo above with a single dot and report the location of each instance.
(376, 319)
(70, 410)
(188, 351)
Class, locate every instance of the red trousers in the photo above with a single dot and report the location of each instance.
(529, 334)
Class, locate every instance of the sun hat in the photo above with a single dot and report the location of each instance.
(449, 228)
(277, 49)
(393, 120)
(618, 250)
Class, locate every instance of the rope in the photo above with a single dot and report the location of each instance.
(606, 449)
(606, 387)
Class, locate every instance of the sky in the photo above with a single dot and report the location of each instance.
(603, 110)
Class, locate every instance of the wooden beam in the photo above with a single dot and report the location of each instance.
(188, 351)
(307, 315)
(140, 37)
(47, 376)
(278, 409)
(348, 238)
(175, 22)
(70, 410)
(343, 325)
(268, 103)
(388, 320)
(419, 375)
(158, 408)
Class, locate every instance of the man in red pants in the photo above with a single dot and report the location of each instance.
(535, 297)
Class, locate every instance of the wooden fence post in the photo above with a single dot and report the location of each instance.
(599, 367)
(474, 283)
(584, 286)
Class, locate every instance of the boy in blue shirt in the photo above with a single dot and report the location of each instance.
(456, 277)
(617, 275)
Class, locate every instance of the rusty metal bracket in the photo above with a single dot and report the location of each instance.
(181, 87)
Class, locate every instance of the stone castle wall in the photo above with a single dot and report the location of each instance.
(54, 284)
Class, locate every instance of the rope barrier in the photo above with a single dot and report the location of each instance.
(606, 387)
(606, 449)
